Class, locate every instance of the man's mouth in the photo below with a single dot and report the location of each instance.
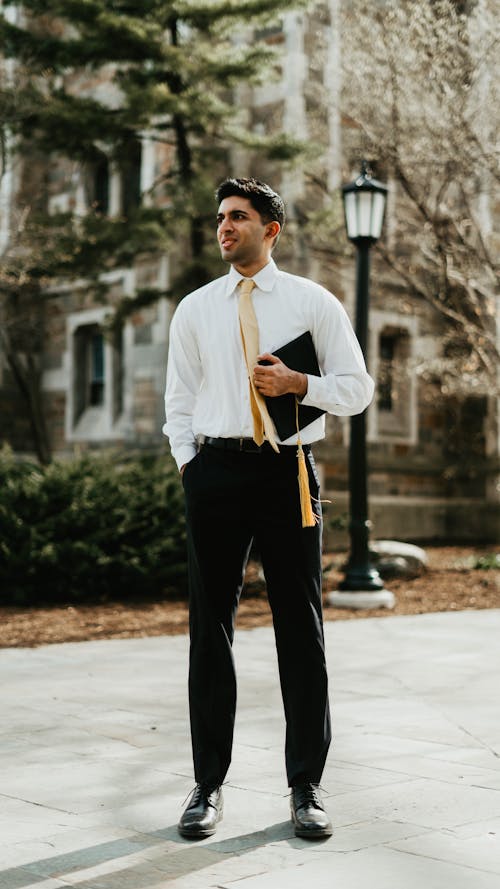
(226, 243)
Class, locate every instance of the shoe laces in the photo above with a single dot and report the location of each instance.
(196, 793)
(308, 795)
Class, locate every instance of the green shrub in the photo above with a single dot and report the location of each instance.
(490, 561)
(92, 528)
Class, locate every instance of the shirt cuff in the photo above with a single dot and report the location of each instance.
(185, 454)
(314, 396)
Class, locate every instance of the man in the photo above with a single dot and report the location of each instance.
(240, 484)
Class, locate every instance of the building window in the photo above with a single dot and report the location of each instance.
(101, 186)
(97, 374)
(89, 379)
(393, 416)
(115, 188)
(392, 381)
(117, 375)
(97, 185)
(131, 177)
(386, 390)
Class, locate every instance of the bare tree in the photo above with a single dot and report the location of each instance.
(421, 82)
(420, 98)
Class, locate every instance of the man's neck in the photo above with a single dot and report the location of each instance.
(249, 271)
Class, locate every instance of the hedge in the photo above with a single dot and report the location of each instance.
(90, 529)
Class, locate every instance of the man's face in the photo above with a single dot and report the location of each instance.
(244, 240)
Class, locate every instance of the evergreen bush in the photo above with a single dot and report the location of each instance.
(90, 529)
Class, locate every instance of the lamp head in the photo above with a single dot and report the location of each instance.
(364, 206)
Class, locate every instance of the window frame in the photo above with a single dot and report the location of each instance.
(101, 420)
(395, 430)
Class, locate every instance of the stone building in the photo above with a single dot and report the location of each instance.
(434, 462)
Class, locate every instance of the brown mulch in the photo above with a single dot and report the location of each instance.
(449, 584)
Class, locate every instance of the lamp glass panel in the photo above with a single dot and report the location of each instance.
(350, 214)
(378, 206)
(364, 213)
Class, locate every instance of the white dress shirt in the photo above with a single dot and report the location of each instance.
(207, 392)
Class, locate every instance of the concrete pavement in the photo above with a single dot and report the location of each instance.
(96, 763)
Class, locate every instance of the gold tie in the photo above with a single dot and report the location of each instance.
(263, 427)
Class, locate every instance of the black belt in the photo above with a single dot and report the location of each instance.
(248, 445)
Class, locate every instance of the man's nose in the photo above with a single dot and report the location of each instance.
(225, 224)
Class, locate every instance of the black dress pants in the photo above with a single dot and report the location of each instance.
(233, 498)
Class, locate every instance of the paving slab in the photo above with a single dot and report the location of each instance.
(96, 764)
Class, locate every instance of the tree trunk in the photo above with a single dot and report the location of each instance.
(28, 380)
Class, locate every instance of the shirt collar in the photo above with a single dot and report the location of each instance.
(264, 279)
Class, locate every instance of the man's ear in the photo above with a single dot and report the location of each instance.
(273, 229)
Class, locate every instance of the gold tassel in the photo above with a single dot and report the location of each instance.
(309, 518)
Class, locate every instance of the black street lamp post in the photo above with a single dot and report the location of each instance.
(362, 586)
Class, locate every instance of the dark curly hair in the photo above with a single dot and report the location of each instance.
(268, 203)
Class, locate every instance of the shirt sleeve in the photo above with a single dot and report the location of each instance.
(345, 388)
(184, 376)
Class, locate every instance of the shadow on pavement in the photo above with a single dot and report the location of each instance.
(152, 861)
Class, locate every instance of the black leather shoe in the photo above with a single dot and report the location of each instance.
(308, 813)
(202, 813)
